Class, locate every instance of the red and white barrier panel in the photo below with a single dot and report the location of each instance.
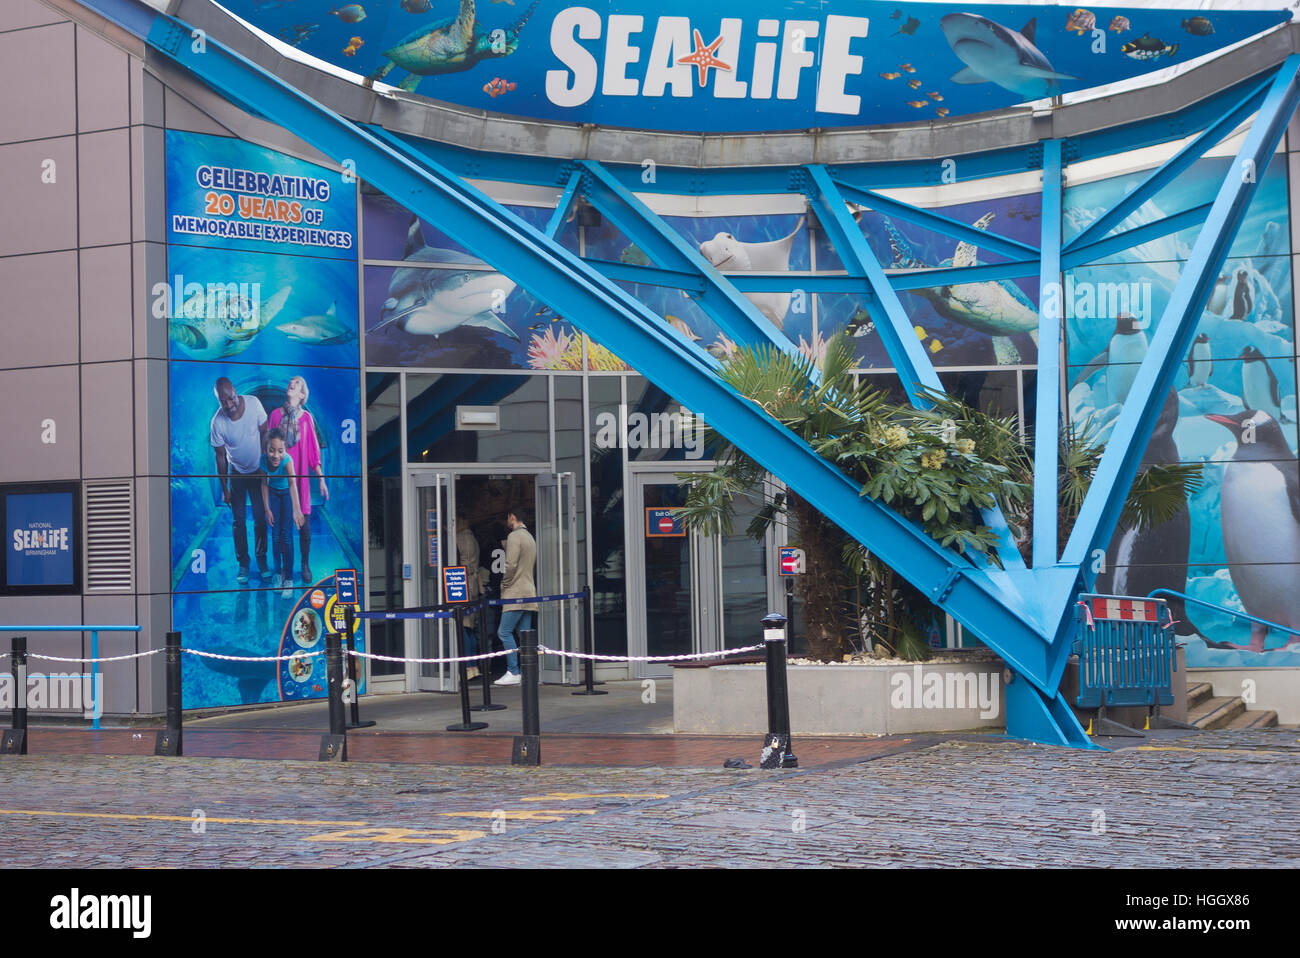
(1129, 610)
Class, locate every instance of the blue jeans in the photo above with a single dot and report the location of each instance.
(510, 620)
(471, 642)
(281, 503)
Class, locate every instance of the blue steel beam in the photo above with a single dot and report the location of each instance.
(1195, 216)
(556, 221)
(896, 331)
(992, 242)
(601, 309)
(735, 315)
(1051, 325)
(1166, 173)
(1172, 336)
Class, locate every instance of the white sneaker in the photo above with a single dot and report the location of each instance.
(510, 678)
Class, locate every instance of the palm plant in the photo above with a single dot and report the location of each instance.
(937, 467)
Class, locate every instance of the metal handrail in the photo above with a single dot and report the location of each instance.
(1219, 608)
(94, 631)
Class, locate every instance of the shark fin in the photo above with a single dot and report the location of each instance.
(967, 75)
(1029, 29)
(414, 239)
(490, 320)
(1043, 74)
(333, 310)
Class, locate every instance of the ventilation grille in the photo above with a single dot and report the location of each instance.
(110, 535)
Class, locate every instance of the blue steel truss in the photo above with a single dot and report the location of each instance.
(1024, 614)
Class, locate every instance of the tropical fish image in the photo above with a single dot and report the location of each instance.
(497, 86)
(353, 46)
(298, 33)
(1081, 21)
(417, 6)
(942, 111)
(896, 15)
(1198, 26)
(890, 76)
(1147, 47)
(907, 68)
(633, 256)
(352, 13)
(431, 302)
(449, 46)
(918, 103)
(914, 84)
(726, 252)
(323, 330)
(909, 27)
(219, 322)
(994, 54)
(936, 96)
(1118, 24)
(997, 307)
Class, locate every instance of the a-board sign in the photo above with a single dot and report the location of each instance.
(345, 585)
(455, 583)
(662, 522)
(791, 561)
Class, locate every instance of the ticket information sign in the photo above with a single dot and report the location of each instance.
(455, 583)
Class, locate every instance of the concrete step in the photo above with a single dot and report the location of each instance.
(1198, 692)
(1251, 718)
(1216, 712)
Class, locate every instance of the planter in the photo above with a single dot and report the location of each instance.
(960, 693)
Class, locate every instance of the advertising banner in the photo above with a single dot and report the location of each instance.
(42, 553)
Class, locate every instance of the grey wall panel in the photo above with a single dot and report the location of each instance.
(148, 106)
(151, 450)
(44, 610)
(149, 264)
(119, 677)
(183, 115)
(33, 396)
(106, 303)
(38, 312)
(108, 420)
(105, 160)
(149, 179)
(40, 101)
(29, 13)
(103, 84)
(154, 617)
(39, 216)
(153, 535)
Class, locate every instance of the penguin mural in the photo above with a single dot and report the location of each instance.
(1260, 513)
(1259, 388)
(1199, 365)
(1218, 301)
(1154, 558)
(1121, 358)
(1242, 302)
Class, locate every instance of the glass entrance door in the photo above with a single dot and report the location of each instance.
(433, 530)
(557, 559)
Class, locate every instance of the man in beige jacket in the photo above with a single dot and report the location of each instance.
(516, 583)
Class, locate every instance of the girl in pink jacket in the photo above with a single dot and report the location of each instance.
(299, 430)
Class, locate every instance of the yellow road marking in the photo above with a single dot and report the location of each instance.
(524, 814)
(399, 835)
(123, 816)
(578, 796)
(1188, 748)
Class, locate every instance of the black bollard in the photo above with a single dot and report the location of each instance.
(334, 746)
(465, 724)
(528, 746)
(14, 741)
(169, 738)
(485, 665)
(590, 667)
(777, 750)
(350, 624)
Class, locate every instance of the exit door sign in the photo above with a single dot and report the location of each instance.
(791, 560)
(662, 522)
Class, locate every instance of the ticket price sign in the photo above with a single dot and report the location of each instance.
(455, 584)
(790, 561)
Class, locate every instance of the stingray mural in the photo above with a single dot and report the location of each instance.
(1233, 408)
(739, 66)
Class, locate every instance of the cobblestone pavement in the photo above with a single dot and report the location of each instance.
(1211, 800)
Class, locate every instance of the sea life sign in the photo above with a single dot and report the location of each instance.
(734, 66)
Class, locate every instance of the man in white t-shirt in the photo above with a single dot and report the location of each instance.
(238, 436)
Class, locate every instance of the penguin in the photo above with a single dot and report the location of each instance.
(1199, 365)
(1259, 506)
(1218, 301)
(1242, 302)
(1155, 558)
(1121, 358)
(1259, 388)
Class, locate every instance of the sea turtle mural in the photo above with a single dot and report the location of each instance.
(450, 45)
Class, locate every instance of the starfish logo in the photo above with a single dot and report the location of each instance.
(702, 57)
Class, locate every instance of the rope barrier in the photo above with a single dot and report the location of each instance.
(115, 658)
(254, 658)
